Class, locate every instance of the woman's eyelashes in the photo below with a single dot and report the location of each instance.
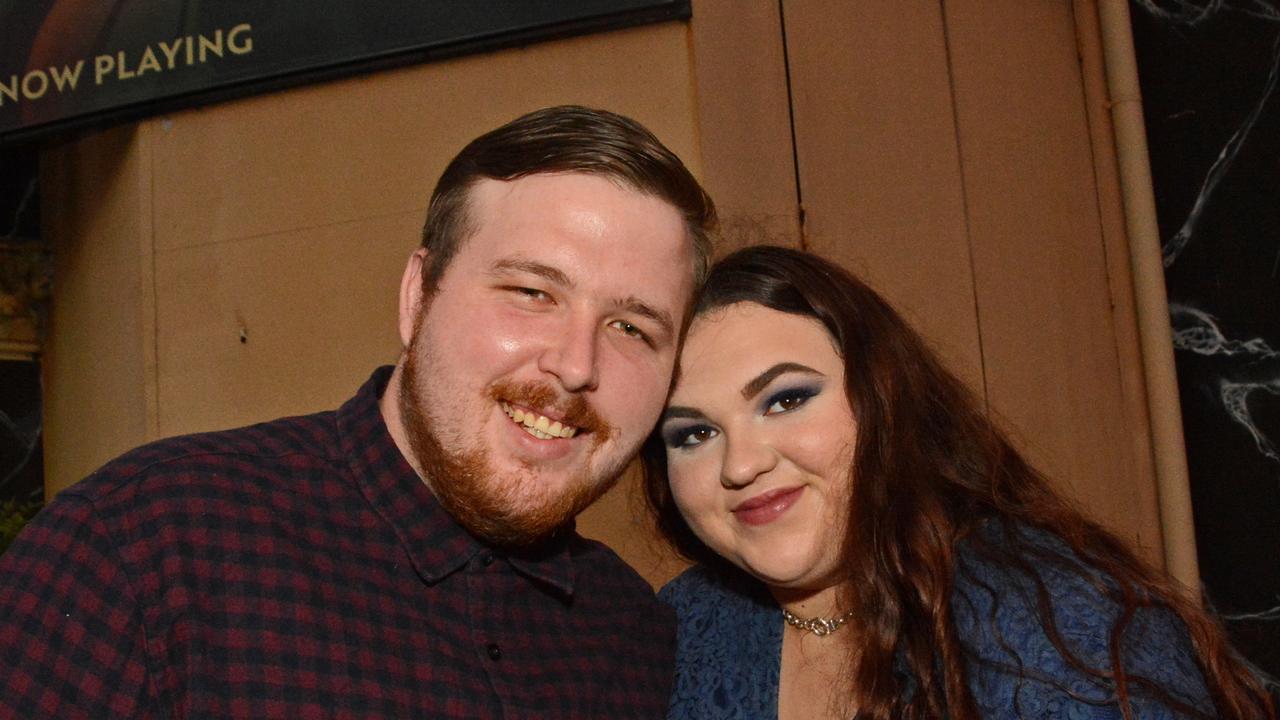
(779, 402)
(689, 436)
(788, 399)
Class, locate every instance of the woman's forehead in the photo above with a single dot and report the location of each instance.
(729, 346)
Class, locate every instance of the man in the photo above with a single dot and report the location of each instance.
(412, 553)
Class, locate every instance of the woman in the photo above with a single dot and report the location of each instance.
(869, 543)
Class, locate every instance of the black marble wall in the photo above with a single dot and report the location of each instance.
(1208, 70)
(21, 466)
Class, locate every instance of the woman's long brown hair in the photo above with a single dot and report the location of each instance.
(931, 471)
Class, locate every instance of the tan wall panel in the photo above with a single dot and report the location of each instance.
(879, 171)
(373, 146)
(96, 352)
(1111, 215)
(744, 117)
(317, 308)
(1040, 263)
(343, 171)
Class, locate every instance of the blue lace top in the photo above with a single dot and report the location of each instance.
(730, 642)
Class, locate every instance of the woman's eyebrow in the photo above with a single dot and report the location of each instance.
(754, 387)
(682, 412)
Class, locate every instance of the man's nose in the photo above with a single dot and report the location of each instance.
(572, 357)
(746, 458)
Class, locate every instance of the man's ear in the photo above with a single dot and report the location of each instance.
(411, 294)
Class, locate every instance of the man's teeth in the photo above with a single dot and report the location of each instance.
(539, 426)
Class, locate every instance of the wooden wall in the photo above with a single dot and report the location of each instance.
(239, 262)
(958, 155)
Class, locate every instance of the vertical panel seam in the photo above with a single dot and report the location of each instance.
(964, 202)
(791, 120)
(152, 362)
(1097, 192)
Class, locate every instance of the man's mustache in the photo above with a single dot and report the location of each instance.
(542, 398)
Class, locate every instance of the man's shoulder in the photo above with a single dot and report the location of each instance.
(599, 568)
(260, 449)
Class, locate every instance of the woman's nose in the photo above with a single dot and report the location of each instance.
(746, 458)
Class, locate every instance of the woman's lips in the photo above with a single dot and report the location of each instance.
(767, 507)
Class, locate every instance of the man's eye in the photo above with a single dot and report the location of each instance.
(788, 400)
(533, 294)
(629, 330)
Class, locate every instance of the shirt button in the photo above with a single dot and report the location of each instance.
(495, 652)
(487, 559)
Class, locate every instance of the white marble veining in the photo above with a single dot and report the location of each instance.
(1197, 331)
(26, 433)
(1245, 368)
(1184, 12)
(1272, 614)
(28, 195)
(1222, 164)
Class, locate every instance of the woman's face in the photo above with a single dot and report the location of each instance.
(759, 438)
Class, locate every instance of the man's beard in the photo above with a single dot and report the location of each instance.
(502, 511)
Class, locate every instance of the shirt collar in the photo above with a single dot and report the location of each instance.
(437, 545)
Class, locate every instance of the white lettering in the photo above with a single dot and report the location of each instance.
(214, 45)
(9, 91)
(102, 66)
(30, 94)
(67, 76)
(122, 72)
(170, 52)
(233, 39)
(148, 61)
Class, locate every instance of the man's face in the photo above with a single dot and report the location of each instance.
(543, 357)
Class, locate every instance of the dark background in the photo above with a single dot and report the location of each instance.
(1208, 73)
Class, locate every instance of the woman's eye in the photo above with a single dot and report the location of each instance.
(789, 400)
(690, 437)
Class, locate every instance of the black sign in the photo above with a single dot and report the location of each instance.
(65, 62)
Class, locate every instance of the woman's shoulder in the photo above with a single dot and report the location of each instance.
(728, 645)
(689, 586)
(1050, 620)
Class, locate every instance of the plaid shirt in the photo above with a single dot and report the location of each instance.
(301, 569)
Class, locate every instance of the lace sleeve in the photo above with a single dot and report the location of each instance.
(728, 645)
(1017, 671)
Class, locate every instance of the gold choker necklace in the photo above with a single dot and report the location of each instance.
(819, 626)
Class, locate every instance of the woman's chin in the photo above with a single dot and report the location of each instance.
(790, 574)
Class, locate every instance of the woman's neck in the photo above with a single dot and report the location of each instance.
(815, 681)
(808, 603)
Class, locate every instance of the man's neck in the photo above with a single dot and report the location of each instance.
(389, 407)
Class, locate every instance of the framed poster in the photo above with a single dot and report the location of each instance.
(67, 62)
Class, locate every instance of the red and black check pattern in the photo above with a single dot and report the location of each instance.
(300, 569)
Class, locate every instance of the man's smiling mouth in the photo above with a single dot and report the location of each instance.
(539, 426)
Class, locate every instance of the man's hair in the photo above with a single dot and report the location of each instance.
(567, 138)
